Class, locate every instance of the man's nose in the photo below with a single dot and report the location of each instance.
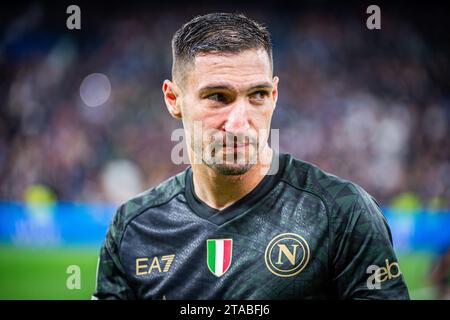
(237, 121)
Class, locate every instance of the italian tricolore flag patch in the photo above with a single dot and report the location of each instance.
(219, 252)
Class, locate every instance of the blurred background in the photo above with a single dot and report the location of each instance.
(83, 125)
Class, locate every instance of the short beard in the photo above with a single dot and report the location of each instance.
(230, 170)
(234, 167)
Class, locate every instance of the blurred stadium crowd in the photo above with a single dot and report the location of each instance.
(365, 105)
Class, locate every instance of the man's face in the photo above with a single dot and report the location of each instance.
(227, 102)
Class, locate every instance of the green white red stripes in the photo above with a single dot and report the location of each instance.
(219, 253)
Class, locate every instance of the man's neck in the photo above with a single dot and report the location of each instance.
(220, 191)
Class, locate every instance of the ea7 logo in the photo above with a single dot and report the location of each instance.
(143, 266)
(381, 274)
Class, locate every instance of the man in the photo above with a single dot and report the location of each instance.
(243, 221)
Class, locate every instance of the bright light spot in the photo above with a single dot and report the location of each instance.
(95, 89)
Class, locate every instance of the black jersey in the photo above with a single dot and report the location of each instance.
(300, 234)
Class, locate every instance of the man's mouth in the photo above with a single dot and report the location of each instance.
(236, 145)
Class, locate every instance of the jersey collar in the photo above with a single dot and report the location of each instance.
(220, 217)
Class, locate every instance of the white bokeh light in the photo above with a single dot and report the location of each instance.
(95, 89)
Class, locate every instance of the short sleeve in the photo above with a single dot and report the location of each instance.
(365, 265)
(111, 282)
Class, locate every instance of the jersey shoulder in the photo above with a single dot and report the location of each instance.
(153, 197)
(338, 194)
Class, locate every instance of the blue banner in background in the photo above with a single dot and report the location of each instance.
(67, 223)
(54, 225)
(427, 230)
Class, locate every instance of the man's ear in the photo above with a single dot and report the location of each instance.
(275, 90)
(171, 94)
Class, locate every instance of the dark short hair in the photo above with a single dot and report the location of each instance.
(217, 33)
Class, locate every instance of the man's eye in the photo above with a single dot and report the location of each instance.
(219, 97)
(259, 95)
